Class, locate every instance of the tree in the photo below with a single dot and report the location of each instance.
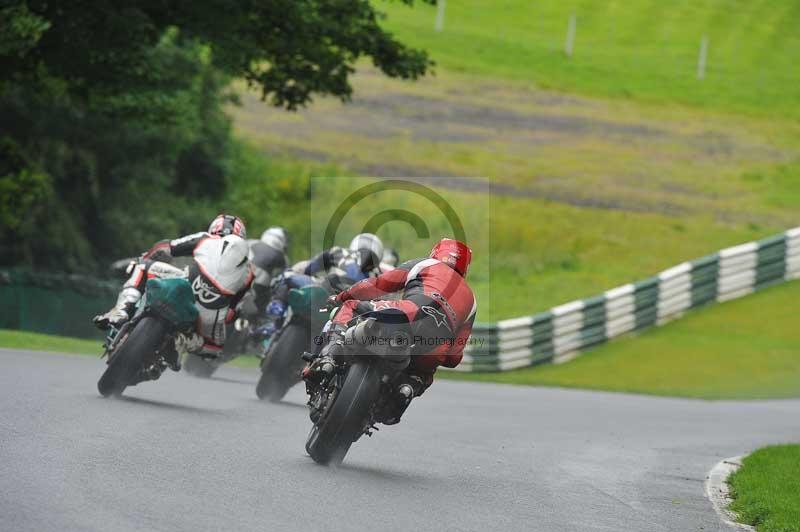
(291, 49)
(84, 181)
(112, 127)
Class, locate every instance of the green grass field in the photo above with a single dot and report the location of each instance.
(530, 254)
(766, 489)
(606, 167)
(743, 349)
(642, 49)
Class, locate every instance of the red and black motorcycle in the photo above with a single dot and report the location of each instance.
(357, 390)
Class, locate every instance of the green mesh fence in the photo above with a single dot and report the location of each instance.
(53, 303)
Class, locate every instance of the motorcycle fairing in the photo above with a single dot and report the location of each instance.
(173, 300)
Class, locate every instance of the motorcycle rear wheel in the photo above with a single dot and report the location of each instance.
(129, 357)
(333, 434)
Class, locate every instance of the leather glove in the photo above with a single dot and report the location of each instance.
(275, 309)
(340, 298)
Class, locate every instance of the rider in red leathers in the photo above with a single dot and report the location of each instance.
(437, 302)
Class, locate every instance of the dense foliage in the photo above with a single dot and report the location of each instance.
(112, 127)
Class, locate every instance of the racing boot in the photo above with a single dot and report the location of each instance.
(172, 357)
(121, 312)
(322, 365)
(409, 387)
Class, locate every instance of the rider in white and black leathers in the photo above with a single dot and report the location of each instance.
(216, 292)
(360, 260)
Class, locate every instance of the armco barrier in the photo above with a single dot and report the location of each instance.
(562, 332)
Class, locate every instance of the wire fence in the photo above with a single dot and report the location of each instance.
(739, 52)
(53, 303)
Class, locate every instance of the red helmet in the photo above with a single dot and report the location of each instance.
(455, 254)
(227, 224)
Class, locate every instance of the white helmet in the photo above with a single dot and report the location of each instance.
(369, 247)
(276, 238)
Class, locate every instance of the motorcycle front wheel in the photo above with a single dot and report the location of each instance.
(282, 363)
(126, 361)
(343, 422)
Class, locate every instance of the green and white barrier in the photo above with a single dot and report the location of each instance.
(560, 333)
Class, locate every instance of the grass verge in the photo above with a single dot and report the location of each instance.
(743, 349)
(76, 346)
(766, 489)
(49, 342)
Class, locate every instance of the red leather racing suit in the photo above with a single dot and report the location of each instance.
(437, 301)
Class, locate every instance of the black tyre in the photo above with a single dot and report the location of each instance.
(199, 367)
(331, 437)
(236, 342)
(282, 363)
(129, 357)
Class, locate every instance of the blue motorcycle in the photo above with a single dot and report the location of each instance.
(302, 321)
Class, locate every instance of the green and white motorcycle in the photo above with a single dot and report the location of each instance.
(140, 348)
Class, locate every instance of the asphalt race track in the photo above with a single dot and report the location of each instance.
(195, 455)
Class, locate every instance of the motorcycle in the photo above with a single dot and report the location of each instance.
(186, 306)
(281, 365)
(136, 351)
(356, 391)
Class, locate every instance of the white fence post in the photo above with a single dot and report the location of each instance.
(569, 45)
(440, 6)
(702, 57)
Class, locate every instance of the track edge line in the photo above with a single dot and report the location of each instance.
(717, 491)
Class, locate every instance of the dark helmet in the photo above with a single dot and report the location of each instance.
(227, 224)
